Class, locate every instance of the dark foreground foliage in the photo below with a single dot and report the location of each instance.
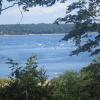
(28, 83)
(31, 83)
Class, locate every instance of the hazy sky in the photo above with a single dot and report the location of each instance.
(35, 15)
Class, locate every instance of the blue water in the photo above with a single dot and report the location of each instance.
(51, 54)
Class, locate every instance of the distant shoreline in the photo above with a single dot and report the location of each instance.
(33, 34)
(31, 29)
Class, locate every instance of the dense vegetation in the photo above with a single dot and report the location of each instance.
(31, 83)
(21, 29)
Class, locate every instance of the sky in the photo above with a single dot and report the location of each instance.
(35, 15)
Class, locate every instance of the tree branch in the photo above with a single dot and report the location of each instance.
(21, 14)
(9, 6)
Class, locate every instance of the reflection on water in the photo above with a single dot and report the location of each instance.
(51, 54)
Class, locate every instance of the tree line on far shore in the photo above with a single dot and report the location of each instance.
(22, 29)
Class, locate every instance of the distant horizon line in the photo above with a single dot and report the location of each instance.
(36, 24)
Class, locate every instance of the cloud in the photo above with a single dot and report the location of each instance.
(58, 7)
(35, 15)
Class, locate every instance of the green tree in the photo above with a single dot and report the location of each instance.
(28, 82)
(85, 15)
(66, 87)
(90, 81)
(84, 85)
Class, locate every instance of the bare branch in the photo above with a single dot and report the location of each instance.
(21, 14)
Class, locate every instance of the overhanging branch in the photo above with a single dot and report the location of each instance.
(9, 6)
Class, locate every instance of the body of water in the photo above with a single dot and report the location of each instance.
(51, 54)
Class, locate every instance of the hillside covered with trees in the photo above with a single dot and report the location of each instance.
(21, 29)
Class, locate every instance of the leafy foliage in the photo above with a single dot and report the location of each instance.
(66, 87)
(90, 75)
(28, 83)
(28, 3)
(86, 17)
(84, 85)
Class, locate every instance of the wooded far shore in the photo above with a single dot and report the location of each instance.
(25, 29)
